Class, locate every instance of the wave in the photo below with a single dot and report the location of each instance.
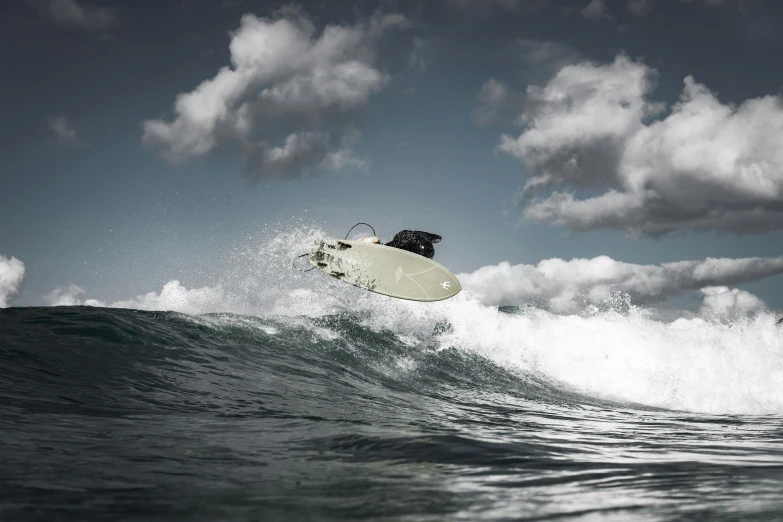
(617, 352)
(629, 359)
(399, 409)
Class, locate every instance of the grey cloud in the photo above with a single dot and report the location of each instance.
(551, 55)
(639, 7)
(569, 286)
(65, 134)
(704, 165)
(537, 61)
(494, 104)
(299, 153)
(595, 11)
(421, 54)
(302, 153)
(712, 3)
(73, 14)
(487, 6)
(534, 60)
(288, 102)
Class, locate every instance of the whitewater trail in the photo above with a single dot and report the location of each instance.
(618, 351)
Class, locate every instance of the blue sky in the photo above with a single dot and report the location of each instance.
(94, 195)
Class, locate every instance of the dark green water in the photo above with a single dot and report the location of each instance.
(130, 415)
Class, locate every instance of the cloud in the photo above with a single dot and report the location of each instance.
(290, 100)
(343, 159)
(732, 304)
(178, 298)
(712, 3)
(487, 6)
(78, 15)
(173, 297)
(11, 277)
(65, 134)
(71, 295)
(495, 103)
(639, 7)
(421, 54)
(595, 11)
(568, 286)
(703, 166)
(535, 60)
(549, 56)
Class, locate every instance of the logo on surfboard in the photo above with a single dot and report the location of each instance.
(445, 285)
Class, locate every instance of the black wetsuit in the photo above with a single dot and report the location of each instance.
(415, 241)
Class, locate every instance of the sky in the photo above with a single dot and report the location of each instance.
(564, 150)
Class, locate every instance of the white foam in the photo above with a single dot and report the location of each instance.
(11, 276)
(689, 364)
(731, 365)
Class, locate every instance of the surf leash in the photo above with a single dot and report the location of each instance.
(293, 263)
(356, 225)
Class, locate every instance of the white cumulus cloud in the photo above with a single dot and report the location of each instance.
(70, 295)
(175, 297)
(568, 286)
(172, 297)
(730, 303)
(704, 165)
(288, 102)
(11, 277)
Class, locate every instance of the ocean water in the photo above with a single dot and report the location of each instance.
(317, 401)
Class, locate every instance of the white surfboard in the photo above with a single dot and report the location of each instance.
(384, 270)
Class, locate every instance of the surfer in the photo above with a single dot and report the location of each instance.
(415, 241)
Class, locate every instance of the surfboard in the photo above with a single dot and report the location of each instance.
(384, 270)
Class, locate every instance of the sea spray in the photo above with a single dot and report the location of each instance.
(614, 350)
